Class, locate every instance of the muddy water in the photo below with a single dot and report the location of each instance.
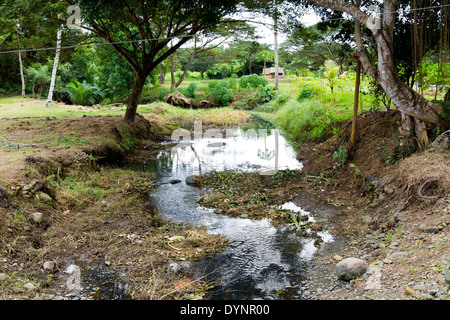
(262, 260)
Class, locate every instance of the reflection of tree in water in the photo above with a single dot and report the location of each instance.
(176, 159)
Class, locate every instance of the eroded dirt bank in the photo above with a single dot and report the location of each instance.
(386, 203)
(67, 199)
(393, 214)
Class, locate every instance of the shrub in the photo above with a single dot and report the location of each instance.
(308, 88)
(156, 93)
(266, 94)
(39, 76)
(307, 91)
(190, 90)
(253, 81)
(222, 90)
(247, 99)
(84, 93)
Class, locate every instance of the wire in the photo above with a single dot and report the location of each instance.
(169, 38)
(108, 43)
(413, 9)
(93, 44)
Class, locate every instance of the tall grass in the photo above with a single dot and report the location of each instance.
(313, 119)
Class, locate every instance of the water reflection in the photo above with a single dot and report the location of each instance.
(235, 150)
(262, 259)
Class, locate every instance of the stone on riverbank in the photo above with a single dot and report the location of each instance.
(351, 268)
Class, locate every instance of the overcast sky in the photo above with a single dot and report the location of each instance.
(264, 26)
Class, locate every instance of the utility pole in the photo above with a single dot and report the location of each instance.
(20, 63)
(356, 102)
(55, 66)
(275, 18)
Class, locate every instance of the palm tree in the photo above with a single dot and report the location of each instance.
(83, 93)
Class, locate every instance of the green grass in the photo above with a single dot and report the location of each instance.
(305, 120)
(18, 106)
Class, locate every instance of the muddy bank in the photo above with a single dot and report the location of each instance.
(393, 204)
(390, 208)
(70, 201)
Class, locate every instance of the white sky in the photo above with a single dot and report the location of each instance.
(264, 27)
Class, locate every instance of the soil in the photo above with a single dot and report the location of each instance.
(393, 198)
(95, 211)
(383, 200)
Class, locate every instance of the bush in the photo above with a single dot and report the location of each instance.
(84, 93)
(156, 93)
(222, 91)
(308, 88)
(190, 90)
(307, 92)
(279, 99)
(266, 94)
(252, 81)
(247, 99)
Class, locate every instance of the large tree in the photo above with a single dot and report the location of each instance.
(383, 68)
(145, 33)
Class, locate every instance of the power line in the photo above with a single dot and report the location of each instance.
(109, 43)
(412, 9)
(93, 44)
(174, 37)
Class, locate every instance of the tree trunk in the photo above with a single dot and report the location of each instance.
(275, 18)
(21, 66)
(382, 28)
(191, 58)
(354, 133)
(133, 99)
(162, 76)
(172, 72)
(447, 96)
(55, 67)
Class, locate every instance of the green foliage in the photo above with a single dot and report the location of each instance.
(38, 76)
(266, 94)
(308, 120)
(356, 172)
(341, 156)
(247, 99)
(265, 56)
(445, 115)
(222, 90)
(308, 88)
(401, 147)
(84, 93)
(435, 74)
(115, 76)
(279, 99)
(252, 81)
(220, 71)
(156, 93)
(332, 75)
(190, 90)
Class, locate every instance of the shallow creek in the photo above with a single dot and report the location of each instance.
(262, 260)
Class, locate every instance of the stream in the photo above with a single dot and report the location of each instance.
(262, 261)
